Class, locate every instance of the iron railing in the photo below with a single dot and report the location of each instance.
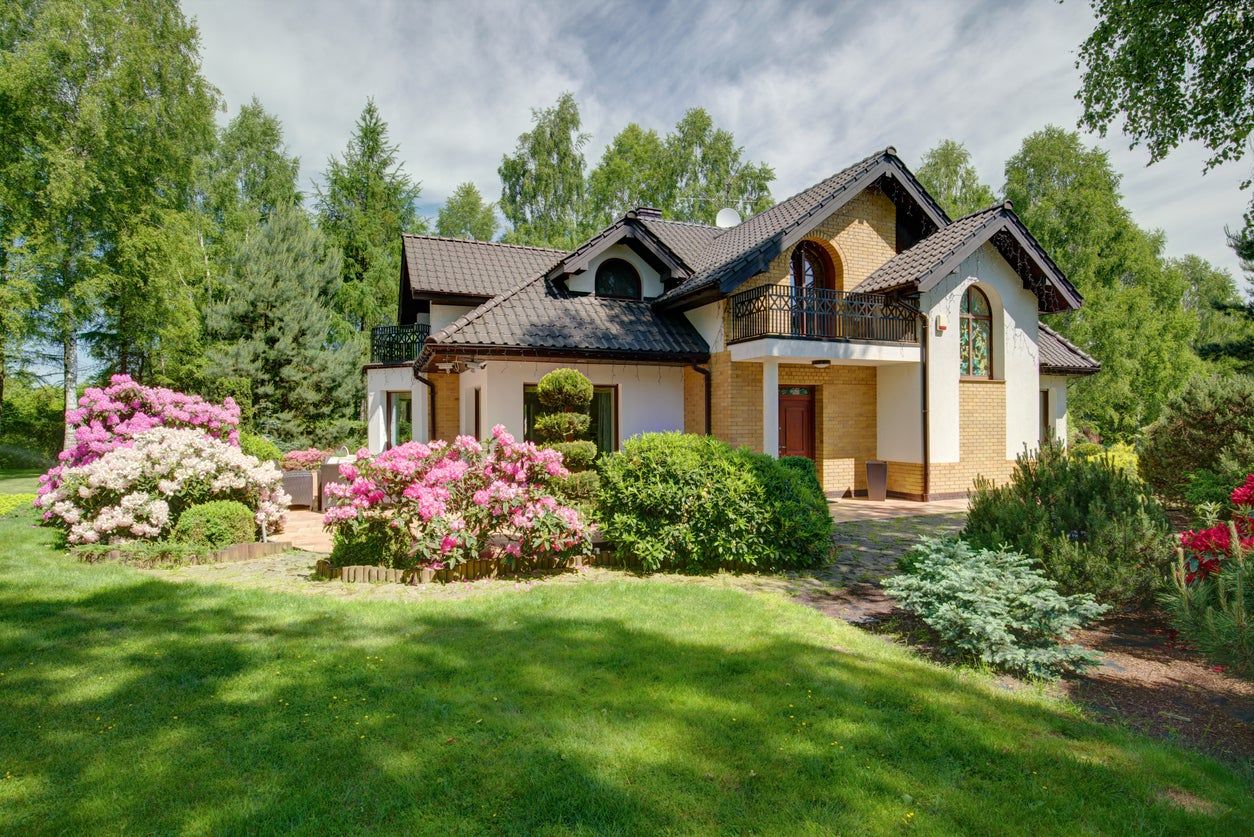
(397, 343)
(820, 314)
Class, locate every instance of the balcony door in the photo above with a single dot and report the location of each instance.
(796, 421)
(811, 274)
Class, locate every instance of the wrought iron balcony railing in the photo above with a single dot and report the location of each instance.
(820, 314)
(398, 343)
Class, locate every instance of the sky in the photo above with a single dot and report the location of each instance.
(807, 87)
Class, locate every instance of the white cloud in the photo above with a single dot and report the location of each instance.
(807, 87)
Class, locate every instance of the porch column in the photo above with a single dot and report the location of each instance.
(421, 411)
(770, 407)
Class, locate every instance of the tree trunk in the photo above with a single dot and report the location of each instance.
(69, 362)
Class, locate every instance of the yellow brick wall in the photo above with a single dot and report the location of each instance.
(844, 414)
(981, 440)
(447, 405)
(694, 401)
(905, 479)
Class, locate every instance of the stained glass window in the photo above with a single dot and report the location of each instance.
(976, 335)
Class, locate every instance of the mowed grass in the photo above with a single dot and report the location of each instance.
(19, 481)
(132, 704)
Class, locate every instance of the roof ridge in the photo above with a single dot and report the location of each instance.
(683, 223)
(504, 244)
(1063, 340)
(490, 305)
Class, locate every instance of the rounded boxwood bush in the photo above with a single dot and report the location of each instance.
(565, 390)
(675, 501)
(576, 456)
(216, 524)
(260, 447)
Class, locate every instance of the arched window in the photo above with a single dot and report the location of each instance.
(618, 279)
(976, 335)
(810, 267)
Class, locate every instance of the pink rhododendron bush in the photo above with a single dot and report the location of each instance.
(309, 459)
(137, 491)
(109, 418)
(439, 504)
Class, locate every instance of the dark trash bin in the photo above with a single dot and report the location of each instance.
(876, 479)
(327, 474)
(299, 485)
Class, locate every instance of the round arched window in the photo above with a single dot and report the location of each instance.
(810, 267)
(617, 278)
(976, 335)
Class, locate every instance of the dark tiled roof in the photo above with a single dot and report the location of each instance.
(1059, 356)
(470, 268)
(732, 249)
(686, 239)
(536, 315)
(907, 267)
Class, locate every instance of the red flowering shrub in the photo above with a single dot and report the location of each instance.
(1206, 549)
(440, 504)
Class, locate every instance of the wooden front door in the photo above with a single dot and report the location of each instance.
(796, 421)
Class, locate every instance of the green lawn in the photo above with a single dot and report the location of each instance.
(18, 481)
(130, 703)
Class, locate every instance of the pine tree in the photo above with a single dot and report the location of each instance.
(275, 326)
(467, 215)
(367, 202)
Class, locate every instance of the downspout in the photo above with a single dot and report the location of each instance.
(705, 373)
(926, 428)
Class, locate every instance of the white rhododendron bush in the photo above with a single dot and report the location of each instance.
(137, 492)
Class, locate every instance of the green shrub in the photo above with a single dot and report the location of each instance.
(1121, 455)
(23, 459)
(565, 390)
(805, 468)
(1088, 450)
(1089, 525)
(260, 447)
(145, 553)
(1209, 426)
(13, 502)
(993, 606)
(579, 489)
(673, 501)
(555, 427)
(368, 543)
(1217, 612)
(238, 388)
(576, 456)
(216, 524)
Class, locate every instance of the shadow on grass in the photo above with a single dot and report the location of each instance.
(136, 704)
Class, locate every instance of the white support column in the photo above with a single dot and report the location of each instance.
(770, 407)
(420, 395)
(376, 419)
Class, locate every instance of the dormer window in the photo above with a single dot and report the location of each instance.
(618, 279)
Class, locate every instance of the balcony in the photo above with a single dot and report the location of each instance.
(787, 312)
(397, 343)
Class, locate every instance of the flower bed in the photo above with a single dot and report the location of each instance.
(440, 505)
(138, 491)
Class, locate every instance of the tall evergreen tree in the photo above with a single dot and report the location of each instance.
(103, 111)
(1234, 347)
(542, 182)
(947, 173)
(1133, 319)
(275, 326)
(367, 202)
(467, 215)
(707, 172)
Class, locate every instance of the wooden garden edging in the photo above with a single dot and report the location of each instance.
(237, 552)
(466, 571)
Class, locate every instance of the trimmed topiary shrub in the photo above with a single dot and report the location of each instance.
(1089, 525)
(1208, 427)
(216, 524)
(260, 447)
(565, 390)
(566, 396)
(675, 501)
(993, 606)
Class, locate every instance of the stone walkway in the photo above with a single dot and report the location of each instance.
(304, 531)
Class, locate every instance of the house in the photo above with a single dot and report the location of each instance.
(853, 321)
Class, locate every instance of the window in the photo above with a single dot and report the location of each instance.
(810, 267)
(604, 427)
(618, 279)
(976, 335)
(1047, 432)
(400, 418)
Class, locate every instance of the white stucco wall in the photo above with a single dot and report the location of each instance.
(898, 413)
(708, 321)
(650, 398)
(1015, 354)
(1057, 386)
(381, 381)
(650, 282)
(442, 315)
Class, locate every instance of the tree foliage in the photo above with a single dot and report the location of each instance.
(947, 173)
(467, 215)
(275, 326)
(1176, 71)
(708, 172)
(633, 172)
(1133, 320)
(368, 200)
